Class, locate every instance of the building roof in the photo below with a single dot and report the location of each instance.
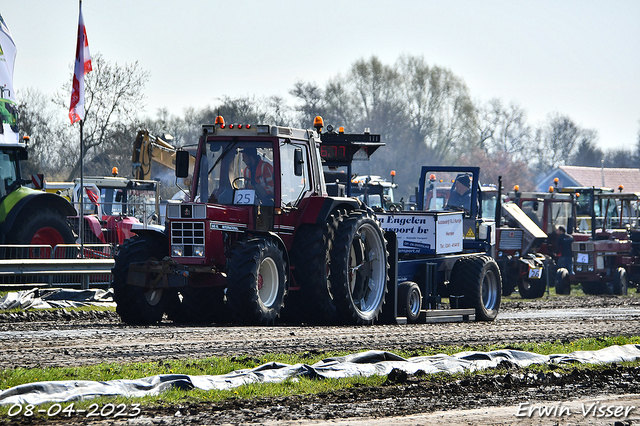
(608, 177)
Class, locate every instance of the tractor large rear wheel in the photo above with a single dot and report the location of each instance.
(257, 281)
(136, 304)
(477, 279)
(310, 257)
(41, 227)
(359, 264)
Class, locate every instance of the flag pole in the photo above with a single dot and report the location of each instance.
(81, 197)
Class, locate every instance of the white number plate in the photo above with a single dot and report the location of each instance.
(582, 258)
(244, 196)
(535, 273)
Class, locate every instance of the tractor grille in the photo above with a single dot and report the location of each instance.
(187, 234)
(511, 239)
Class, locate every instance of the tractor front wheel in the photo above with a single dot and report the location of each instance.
(136, 304)
(620, 282)
(563, 284)
(257, 281)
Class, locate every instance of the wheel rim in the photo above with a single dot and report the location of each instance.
(153, 296)
(367, 269)
(47, 236)
(490, 290)
(414, 303)
(268, 282)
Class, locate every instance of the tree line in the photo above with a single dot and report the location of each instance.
(425, 114)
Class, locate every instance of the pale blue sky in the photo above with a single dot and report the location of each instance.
(580, 58)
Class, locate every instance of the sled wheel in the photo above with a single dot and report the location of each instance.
(409, 301)
(477, 279)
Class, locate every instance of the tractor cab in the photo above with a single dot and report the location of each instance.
(10, 170)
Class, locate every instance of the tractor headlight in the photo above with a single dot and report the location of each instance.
(177, 251)
(198, 251)
(516, 254)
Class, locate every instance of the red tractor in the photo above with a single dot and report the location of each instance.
(608, 259)
(260, 230)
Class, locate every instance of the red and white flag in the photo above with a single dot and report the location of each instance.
(83, 66)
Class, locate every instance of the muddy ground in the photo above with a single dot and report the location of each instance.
(62, 339)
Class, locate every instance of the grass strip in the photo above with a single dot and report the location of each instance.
(295, 386)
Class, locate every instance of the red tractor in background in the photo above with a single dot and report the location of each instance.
(607, 259)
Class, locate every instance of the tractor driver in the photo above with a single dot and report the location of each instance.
(460, 195)
(259, 174)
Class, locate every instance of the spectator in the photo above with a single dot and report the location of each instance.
(563, 249)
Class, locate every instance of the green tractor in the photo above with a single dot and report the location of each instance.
(29, 216)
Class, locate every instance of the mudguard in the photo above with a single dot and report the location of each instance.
(23, 199)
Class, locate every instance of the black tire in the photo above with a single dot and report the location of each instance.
(509, 282)
(533, 289)
(477, 278)
(249, 299)
(563, 284)
(135, 304)
(41, 227)
(203, 305)
(409, 301)
(359, 255)
(310, 258)
(620, 282)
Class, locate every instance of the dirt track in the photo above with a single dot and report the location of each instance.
(34, 340)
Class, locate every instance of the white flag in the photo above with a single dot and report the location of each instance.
(82, 66)
(8, 106)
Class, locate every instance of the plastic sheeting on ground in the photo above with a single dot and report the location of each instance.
(56, 298)
(362, 364)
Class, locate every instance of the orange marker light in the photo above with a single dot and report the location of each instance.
(318, 123)
(220, 120)
(551, 189)
(393, 173)
(516, 188)
(114, 171)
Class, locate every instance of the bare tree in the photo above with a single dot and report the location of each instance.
(113, 97)
(40, 120)
(440, 112)
(556, 142)
(504, 130)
